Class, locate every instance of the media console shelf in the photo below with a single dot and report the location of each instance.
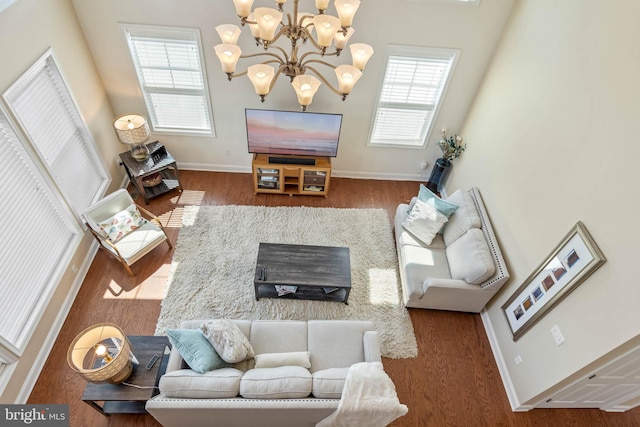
(291, 178)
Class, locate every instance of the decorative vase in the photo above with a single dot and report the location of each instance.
(439, 174)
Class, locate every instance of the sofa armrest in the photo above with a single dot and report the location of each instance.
(371, 343)
(456, 295)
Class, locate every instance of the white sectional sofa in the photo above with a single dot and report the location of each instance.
(461, 269)
(277, 396)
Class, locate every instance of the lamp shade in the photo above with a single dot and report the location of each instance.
(255, 30)
(132, 129)
(326, 27)
(341, 39)
(322, 4)
(305, 87)
(261, 76)
(360, 54)
(346, 11)
(228, 54)
(101, 354)
(348, 76)
(243, 7)
(228, 33)
(268, 20)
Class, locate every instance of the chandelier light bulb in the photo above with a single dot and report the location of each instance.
(228, 54)
(261, 76)
(268, 20)
(326, 26)
(305, 87)
(348, 76)
(346, 11)
(322, 4)
(243, 7)
(340, 39)
(360, 54)
(228, 33)
(130, 124)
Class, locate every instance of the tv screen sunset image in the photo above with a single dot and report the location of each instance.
(295, 133)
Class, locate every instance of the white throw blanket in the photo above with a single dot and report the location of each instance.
(369, 399)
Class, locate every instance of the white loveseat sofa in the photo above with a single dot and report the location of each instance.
(288, 395)
(463, 266)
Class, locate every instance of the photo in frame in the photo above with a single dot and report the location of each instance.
(568, 265)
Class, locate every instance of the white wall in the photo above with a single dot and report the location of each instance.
(27, 29)
(472, 28)
(551, 140)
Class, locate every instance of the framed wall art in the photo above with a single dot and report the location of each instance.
(568, 265)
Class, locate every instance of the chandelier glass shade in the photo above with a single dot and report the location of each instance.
(317, 32)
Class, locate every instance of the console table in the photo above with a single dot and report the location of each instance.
(319, 272)
(291, 177)
(123, 399)
(159, 161)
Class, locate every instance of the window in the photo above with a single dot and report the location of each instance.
(39, 236)
(414, 83)
(44, 106)
(171, 73)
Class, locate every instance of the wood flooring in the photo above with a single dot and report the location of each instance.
(454, 381)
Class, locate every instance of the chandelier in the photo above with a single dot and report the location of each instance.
(268, 25)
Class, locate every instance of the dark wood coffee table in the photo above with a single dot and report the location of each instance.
(319, 272)
(123, 399)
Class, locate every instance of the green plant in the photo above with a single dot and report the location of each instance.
(451, 146)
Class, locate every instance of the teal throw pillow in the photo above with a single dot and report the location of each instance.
(196, 350)
(445, 208)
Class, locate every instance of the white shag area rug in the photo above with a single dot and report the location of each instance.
(215, 258)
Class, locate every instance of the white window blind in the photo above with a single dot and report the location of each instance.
(38, 238)
(413, 85)
(171, 74)
(44, 106)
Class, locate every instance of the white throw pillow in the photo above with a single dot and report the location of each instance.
(122, 223)
(463, 219)
(292, 358)
(424, 222)
(228, 340)
(470, 258)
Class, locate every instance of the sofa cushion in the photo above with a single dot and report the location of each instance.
(445, 207)
(424, 222)
(328, 383)
(285, 382)
(276, 336)
(228, 340)
(292, 358)
(336, 343)
(464, 218)
(470, 258)
(217, 384)
(196, 351)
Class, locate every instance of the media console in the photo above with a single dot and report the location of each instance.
(292, 178)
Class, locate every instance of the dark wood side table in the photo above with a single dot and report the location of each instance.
(123, 399)
(159, 161)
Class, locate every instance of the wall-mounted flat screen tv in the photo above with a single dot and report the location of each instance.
(293, 133)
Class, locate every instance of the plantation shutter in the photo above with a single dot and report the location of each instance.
(38, 239)
(44, 106)
(171, 76)
(411, 91)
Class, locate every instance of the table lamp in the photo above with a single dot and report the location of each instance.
(101, 354)
(133, 129)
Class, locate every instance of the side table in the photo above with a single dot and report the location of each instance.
(159, 161)
(124, 399)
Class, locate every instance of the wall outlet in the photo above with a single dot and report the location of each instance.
(423, 165)
(557, 335)
(518, 359)
(118, 161)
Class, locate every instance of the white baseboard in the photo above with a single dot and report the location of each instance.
(334, 173)
(516, 406)
(48, 343)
